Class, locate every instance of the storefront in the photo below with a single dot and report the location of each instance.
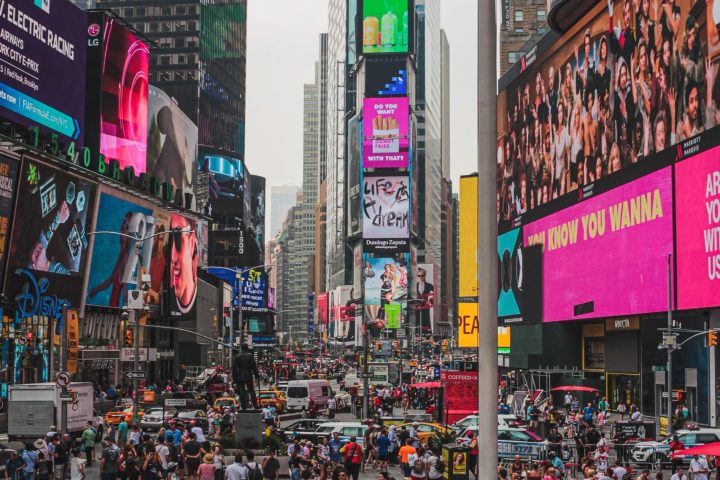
(100, 366)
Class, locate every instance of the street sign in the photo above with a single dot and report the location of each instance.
(66, 397)
(365, 375)
(62, 379)
(135, 375)
(175, 402)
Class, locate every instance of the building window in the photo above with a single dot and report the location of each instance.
(512, 57)
(518, 15)
(140, 11)
(541, 15)
(153, 27)
(593, 353)
(165, 60)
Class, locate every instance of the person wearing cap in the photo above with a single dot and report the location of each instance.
(206, 471)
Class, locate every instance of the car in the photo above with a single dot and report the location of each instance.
(511, 442)
(344, 429)
(192, 418)
(224, 402)
(267, 398)
(507, 420)
(418, 417)
(304, 429)
(426, 429)
(645, 453)
(155, 418)
(116, 415)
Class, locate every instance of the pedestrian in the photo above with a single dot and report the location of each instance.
(77, 465)
(135, 436)
(699, 468)
(382, 443)
(14, 467)
(150, 469)
(191, 453)
(218, 461)
(405, 452)
(29, 456)
(59, 455)
(254, 470)
(206, 471)
(336, 456)
(679, 475)
(43, 467)
(353, 458)
(109, 460)
(271, 467)
(89, 437)
(122, 432)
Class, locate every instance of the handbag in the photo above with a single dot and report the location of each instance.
(348, 461)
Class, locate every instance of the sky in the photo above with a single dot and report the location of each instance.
(283, 39)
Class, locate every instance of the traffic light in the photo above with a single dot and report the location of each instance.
(129, 338)
(712, 339)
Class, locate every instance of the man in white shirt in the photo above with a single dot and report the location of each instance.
(636, 416)
(198, 431)
(679, 475)
(699, 468)
(568, 401)
(163, 453)
(236, 471)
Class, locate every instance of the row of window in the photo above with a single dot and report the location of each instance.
(129, 12)
(520, 17)
(169, 27)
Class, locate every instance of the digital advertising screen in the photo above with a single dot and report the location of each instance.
(172, 142)
(519, 280)
(424, 290)
(468, 237)
(341, 318)
(226, 182)
(8, 186)
(386, 26)
(385, 133)
(386, 290)
(322, 309)
(629, 228)
(697, 228)
(53, 213)
(258, 211)
(354, 147)
(599, 100)
(386, 207)
(124, 96)
(114, 264)
(254, 286)
(223, 30)
(182, 268)
(385, 78)
(42, 79)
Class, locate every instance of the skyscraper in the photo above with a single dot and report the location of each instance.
(282, 199)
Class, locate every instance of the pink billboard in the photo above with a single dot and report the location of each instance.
(385, 132)
(697, 204)
(607, 256)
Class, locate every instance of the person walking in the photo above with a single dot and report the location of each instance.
(271, 467)
(353, 458)
(89, 437)
(406, 452)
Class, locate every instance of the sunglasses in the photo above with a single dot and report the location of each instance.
(176, 237)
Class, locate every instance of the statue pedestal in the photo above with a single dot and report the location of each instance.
(249, 427)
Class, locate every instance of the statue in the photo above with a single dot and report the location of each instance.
(244, 372)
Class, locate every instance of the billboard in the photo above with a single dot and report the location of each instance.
(386, 26)
(223, 30)
(697, 227)
(254, 285)
(257, 206)
(53, 212)
(519, 280)
(468, 237)
(629, 227)
(172, 142)
(424, 290)
(386, 284)
(226, 181)
(182, 269)
(385, 132)
(322, 309)
(8, 186)
(342, 314)
(599, 100)
(355, 172)
(385, 78)
(42, 80)
(386, 207)
(123, 77)
(114, 264)
(467, 326)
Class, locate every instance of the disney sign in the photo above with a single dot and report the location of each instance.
(33, 300)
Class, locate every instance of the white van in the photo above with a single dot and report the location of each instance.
(299, 391)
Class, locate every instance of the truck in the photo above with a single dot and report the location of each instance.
(34, 407)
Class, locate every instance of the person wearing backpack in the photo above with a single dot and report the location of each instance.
(436, 466)
(60, 457)
(43, 467)
(254, 470)
(109, 460)
(353, 458)
(89, 436)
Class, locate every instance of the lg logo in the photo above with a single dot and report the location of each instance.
(93, 32)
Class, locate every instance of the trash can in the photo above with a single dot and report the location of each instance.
(457, 460)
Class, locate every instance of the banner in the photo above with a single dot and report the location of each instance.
(392, 314)
(629, 228)
(385, 132)
(468, 237)
(182, 271)
(386, 26)
(386, 207)
(467, 325)
(386, 283)
(322, 309)
(73, 341)
(461, 390)
(385, 78)
(8, 188)
(519, 280)
(355, 171)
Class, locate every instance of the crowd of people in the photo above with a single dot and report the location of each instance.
(623, 93)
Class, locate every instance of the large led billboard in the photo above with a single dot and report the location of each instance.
(226, 181)
(172, 142)
(42, 79)
(697, 229)
(53, 213)
(258, 211)
(386, 207)
(384, 77)
(386, 26)
(385, 132)
(354, 147)
(223, 30)
(184, 257)
(8, 187)
(600, 99)
(114, 264)
(468, 237)
(120, 67)
(607, 255)
(386, 291)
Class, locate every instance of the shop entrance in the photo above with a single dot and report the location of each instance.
(623, 388)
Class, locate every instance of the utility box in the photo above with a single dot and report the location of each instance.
(456, 459)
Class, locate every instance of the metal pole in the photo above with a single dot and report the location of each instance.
(63, 368)
(132, 315)
(487, 242)
(669, 348)
(366, 379)
(240, 310)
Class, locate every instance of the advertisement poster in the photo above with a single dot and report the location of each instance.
(424, 290)
(467, 325)
(253, 290)
(459, 463)
(53, 212)
(182, 270)
(43, 52)
(8, 186)
(385, 78)
(159, 256)
(386, 207)
(385, 133)
(124, 97)
(460, 390)
(258, 212)
(697, 209)
(519, 280)
(340, 317)
(386, 283)
(354, 147)
(114, 264)
(385, 26)
(357, 270)
(468, 237)
(226, 184)
(629, 227)
(597, 71)
(171, 143)
(322, 308)
(222, 30)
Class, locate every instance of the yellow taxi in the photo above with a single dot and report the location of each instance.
(225, 402)
(425, 429)
(116, 415)
(270, 397)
